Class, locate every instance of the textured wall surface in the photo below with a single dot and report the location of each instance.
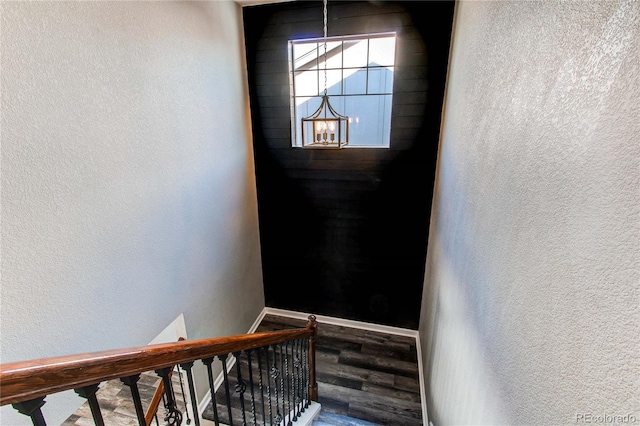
(531, 310)
(128, 191)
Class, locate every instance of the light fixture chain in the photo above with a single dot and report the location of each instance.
(325, 46)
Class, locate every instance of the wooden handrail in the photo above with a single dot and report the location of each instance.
(26, 380)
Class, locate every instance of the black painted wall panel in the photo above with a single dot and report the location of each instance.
(344, 232)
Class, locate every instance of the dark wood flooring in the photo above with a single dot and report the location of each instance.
(363, 374)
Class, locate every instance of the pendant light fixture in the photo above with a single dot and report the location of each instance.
(325, 128)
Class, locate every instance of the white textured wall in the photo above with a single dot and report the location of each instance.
(531, 312)
(128, 193)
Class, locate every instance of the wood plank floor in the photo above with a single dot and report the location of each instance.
(363, 374)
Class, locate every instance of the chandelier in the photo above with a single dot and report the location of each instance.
(325, 128)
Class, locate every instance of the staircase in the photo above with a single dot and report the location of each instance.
(365, 378)
(292, 376)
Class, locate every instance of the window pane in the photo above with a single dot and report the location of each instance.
(334, 54)
(380, 80)
(382, 51)
(369, 123)
(356, 83)
(304, 108)
(334, 82)
(306, 83)
(307, 106)
(355, 53)
(304, 55)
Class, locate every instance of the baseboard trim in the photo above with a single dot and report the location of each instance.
(344, 322)
(423, 389)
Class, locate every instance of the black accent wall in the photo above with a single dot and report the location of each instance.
(344, 232)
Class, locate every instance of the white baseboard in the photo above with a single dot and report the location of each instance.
(344, 322)
(423, 389)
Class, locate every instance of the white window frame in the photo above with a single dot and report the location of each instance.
(340, 97)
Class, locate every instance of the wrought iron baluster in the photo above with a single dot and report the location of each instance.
(282, 380)
(192, 393)
(301, 373)
(296, 376)
(275, 373)
(253, 400)
(207, 362)
(269, 385)
(32, 408)
(173, 415)
(260, 384)
(241, 386)
(293, 380)
(223, 359)
(306, 372)
(89, 392)
(288, 377)
(132, 382)
(184, 397)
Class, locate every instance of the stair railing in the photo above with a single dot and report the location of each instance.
(285, 370)
(155, 400)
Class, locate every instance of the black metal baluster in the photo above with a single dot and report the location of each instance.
(164, 404)
(132, 382)
(253, 400)
(282, 379)
(192, 393)
(89, 392)
(260, 384)
(288, 377)
(173, 416)
(305, 351)
(296, 378)
(241, 386)
(32, 408)
(275, 373)
(207, 362)
(294, 381)
(300, 376)
(268, 368)
(184, 397)
(223, 359)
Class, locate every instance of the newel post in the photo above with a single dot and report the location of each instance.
(313, 385)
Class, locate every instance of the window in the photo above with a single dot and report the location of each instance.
(358, 80)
